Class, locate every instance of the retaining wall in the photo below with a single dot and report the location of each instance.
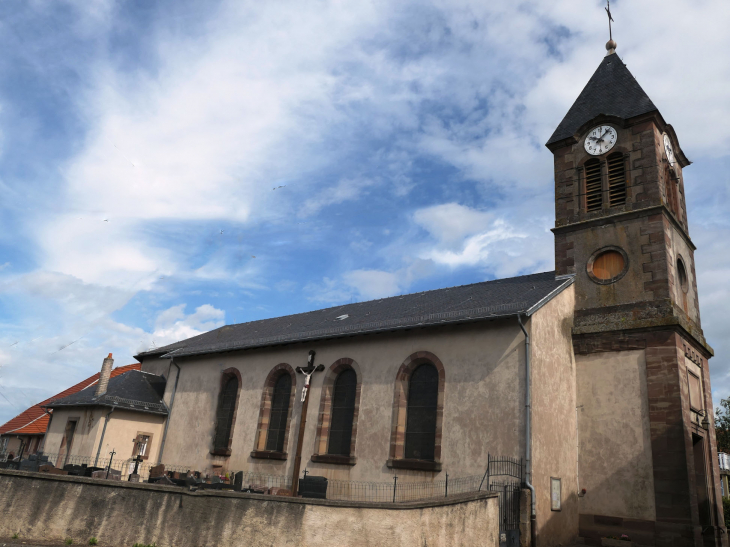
(119, 514)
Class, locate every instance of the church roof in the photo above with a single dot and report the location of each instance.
(34, 420)
(613, 91)
(134, 390)
(466, 303)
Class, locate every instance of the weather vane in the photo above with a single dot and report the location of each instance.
(610, 19)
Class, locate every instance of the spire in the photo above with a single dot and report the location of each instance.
(612, 91)
(610, 45)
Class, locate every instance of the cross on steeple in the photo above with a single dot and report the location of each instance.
(610, 19)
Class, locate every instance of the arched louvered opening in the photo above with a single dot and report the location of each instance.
(225, 414)
(421, 413)
(616, 179)
(279, 414)
(343, 413)
(594, 187)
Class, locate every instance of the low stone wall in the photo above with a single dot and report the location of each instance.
(119, 514)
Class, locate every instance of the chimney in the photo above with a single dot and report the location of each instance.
(106, 371)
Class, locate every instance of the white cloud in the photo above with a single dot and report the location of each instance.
(173, 325)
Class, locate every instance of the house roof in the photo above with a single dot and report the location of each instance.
(612, 91)
(466, 303)
(135, 390)
(34, 420)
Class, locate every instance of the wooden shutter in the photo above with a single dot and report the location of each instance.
(343, 412)
(423, 390)
(616, 179)
(279, 414)
(594, 186)
(224, 416)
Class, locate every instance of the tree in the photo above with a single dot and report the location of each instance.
(722, 425)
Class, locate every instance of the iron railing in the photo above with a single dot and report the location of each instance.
(398, 490)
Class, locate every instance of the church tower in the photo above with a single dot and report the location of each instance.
(648, 464)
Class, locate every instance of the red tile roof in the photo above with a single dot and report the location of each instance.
(34, 421)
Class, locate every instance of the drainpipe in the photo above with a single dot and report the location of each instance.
(528, 436)
(101, 441)
(169, 414)
(42, 445)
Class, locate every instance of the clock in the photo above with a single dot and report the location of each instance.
(600, 140)
(668, 149)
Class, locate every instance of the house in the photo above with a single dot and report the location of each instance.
(24, 434)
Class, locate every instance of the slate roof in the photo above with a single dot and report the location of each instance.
(34, 421)
(612, 90)
(135, 390)
(479, 301)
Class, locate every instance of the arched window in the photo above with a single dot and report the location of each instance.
(423, 390)
(279, 414)
(594, 186)
(418, 409)
(616, 179)
(226, 413)
(343, 411)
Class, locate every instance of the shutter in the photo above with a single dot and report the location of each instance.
(616, 179)
(594, 187)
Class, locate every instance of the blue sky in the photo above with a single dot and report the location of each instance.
(170, 167)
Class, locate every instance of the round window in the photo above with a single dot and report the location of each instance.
(607, 265)
(682, 275)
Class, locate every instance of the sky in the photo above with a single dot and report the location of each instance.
(168, 167)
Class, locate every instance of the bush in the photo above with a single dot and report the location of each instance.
(15, 536)
(93, 541)
(68, 541)
(726, 510)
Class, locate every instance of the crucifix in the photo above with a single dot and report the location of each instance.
(307, 372)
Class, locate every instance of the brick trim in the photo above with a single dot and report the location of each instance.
(400, 406)
(325, 412)
(225, 376)
(265, 410)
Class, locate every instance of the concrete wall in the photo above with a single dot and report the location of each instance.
(123, 427)
(615, 439)
(483, 405)
(554, 443)
(118, 514)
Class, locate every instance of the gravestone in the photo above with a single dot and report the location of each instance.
(238, 481)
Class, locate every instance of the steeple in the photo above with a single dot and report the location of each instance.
(612, 91)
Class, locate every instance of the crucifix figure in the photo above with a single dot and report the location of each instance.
(307, 372)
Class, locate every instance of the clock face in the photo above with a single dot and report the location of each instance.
(668, 149)
(600, 140)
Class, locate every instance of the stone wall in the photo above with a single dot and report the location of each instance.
(119, 514)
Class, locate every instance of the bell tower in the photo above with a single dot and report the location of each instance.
(648, 457)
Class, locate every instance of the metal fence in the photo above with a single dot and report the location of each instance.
(399, 489)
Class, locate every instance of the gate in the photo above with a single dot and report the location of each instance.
(509, 495)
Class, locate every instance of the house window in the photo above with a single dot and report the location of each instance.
(616, 179)
(279, 414)
(594, 186)
(343, 412)
(421, 415)
(225, 414)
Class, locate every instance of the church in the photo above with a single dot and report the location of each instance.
(595, 375)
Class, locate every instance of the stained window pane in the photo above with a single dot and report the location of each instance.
(423, 390)
(279, 414)
(343, 412)
(224, 416)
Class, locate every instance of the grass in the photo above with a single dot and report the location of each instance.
(15, 536)
(68, 541)
(93, 541)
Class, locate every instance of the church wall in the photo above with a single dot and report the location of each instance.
(614, 435)
(687, 301)
(483, 401)
(554, 449)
